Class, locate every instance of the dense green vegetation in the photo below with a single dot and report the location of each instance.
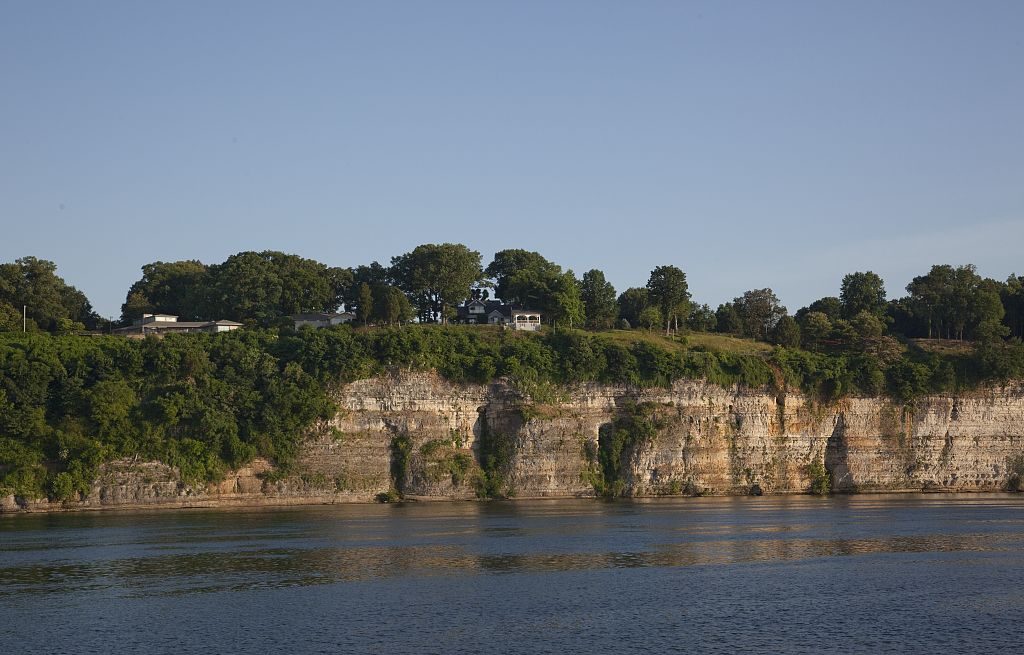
(33, 296)
(199, 402)
(203, 403)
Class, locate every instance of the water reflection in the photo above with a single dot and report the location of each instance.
(183, 553)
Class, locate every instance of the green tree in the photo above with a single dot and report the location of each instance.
(391, 307)
(649, 318)
(727, 319)
(371, 275)
(632, 302)
(815, 327)
(668, 291)
(598, 300)
(786, 333)
(830, 306)
(264, 286)
(702, 319)
(247, 286)
(862, 292)
(564, 303)
(364, 305)
(10, 318)
(176, 288)
(928, 299)
(759, 310)
(953, 302)
(1012, 295)
(522, 277)
(867, 325)
(437, 277)
(34, 284)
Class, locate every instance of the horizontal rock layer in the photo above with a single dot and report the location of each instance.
(428, 438)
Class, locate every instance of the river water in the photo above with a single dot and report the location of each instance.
(857, 574)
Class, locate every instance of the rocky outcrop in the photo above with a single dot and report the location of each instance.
(427, 438)
(708, 439)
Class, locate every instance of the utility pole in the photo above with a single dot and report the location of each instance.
(24, 319)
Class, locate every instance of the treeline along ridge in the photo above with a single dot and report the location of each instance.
(71, 398)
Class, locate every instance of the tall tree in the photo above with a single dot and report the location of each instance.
(786, 333)
(953, 302)
(364, 303)
(390, 306)
(632, 302)
(598, 300)
(830, 306)
(168, 288)
(437, 277)
(1012, 294)
(669, 292)
(759, 310)
(702, 318)
(928, 299)
(50, 302)
(522, 277)
(862, 292)
(264, 286)
(727, 319)
(815, 327)
(371, 275)
(246, 286)
(565, 304)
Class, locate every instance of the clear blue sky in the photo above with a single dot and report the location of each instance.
(752, 144)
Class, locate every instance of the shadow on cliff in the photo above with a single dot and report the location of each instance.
(837, 458)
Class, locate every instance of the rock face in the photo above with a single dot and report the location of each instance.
(707, 439)
(422, 436)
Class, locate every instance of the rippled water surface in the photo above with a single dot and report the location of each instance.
(866, 574)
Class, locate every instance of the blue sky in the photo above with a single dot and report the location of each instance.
(752, 144)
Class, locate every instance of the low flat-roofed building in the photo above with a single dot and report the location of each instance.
(160, 324)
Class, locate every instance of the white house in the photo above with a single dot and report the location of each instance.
(494, 312)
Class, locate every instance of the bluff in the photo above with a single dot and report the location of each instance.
(428, 438)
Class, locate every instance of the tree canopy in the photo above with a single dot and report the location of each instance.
(50, 304)
(758, 312)
(598, 300)
(668, 291)
(437, 277)
(862, 292)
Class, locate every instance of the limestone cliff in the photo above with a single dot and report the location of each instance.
(427, 438)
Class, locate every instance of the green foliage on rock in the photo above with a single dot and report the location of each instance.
(635, 426)
(821, 481)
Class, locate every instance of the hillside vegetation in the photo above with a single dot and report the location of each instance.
(204, 402)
